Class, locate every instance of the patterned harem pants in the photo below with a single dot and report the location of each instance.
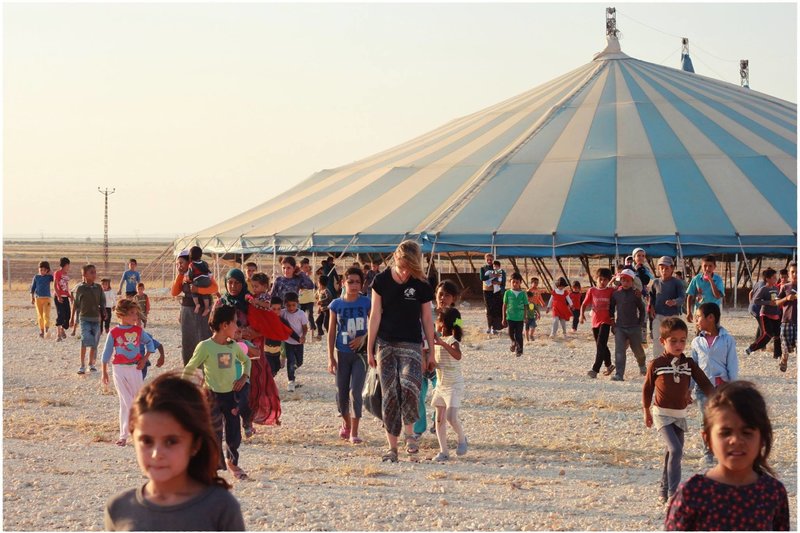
(400, 371)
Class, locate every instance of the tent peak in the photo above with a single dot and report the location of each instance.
(612, 50)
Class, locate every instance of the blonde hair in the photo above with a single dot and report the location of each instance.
(124, 306)
(411, 254)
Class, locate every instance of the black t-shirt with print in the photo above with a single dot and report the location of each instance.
(401, 307)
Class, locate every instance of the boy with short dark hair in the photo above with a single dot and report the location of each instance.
(666, 295)
(666, 388)
(90, 304)
(129, 279)
(515, 312)
(705, 286)
(599, 298)
(769, 317)
(143, 301)
(627, 313)
(250, 268)
(298, 321)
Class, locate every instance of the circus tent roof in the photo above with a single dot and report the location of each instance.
(618, 152)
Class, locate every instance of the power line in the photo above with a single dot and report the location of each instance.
(669, 56)
(721, 77)
(694, 44)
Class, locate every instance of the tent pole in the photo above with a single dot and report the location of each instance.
(744, 256)
(469, 258)
(433, 249)
(561, 266)
(455, 269)
(274, 257)
(585, 263)
(736, 285)
(525, 264)
(439, 272)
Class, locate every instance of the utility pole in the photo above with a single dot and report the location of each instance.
(105, 193)
(744, 73)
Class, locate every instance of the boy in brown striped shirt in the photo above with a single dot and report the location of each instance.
(668, 378)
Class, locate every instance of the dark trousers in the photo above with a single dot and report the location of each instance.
(515, 329)
(576, 318)
(62, 312)
(107, 321)
(222, 418)
(294, 358)
(243, 404)
(274, 362)
(671, 475)
(603, 354)
(322, 321)
(487, 301)
(770, 330)
(494, 309)
(309, 310)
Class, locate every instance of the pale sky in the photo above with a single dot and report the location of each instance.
(195, 112)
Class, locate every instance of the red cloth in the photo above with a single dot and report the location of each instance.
(560, 306)
(264, 399)
(265, 402)
(267, 324)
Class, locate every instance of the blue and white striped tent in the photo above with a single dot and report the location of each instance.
(615, 154)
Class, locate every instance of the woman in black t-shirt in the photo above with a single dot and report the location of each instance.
(400, 300)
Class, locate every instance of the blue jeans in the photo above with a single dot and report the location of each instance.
(90, 333)
(702, 399)
(671, 476)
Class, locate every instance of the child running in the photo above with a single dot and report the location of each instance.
(668, 379)
(769, 317)
(449, 390)
(122, 351)
(714, 350)
(177, 453)
(347, 333)
(560, 304)
(515, 312)
(298, 321)
(216, 356)
(40, 297)
(787, 299)
(741, 493)
(599, 299)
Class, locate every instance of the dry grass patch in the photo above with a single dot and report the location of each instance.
(28, 427)
(504, 402)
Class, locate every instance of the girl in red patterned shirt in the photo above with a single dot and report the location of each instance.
(741, 493)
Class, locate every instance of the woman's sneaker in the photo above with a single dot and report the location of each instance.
(462, 447)
(591, 374)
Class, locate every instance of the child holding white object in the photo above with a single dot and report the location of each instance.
(122, 350)
(449, 390)
(561, 305)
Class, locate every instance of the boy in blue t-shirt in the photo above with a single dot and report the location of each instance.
(130, 279)
(705, 287)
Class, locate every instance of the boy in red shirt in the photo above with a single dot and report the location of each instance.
(599, 298)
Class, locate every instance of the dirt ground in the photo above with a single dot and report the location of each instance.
(550, 449)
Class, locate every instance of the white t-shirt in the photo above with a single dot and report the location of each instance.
(296, 321)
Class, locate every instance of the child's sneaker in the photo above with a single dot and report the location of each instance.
(291, 386)
(748, 351)
(41, 334)
(92, 368)
(82, 370)
(249, 432)
(617, 378)
(591, 374)
(642, 370)
(609, 370)
(441, 457)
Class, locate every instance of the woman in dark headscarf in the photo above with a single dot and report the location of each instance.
(264, 405)
(194, 327)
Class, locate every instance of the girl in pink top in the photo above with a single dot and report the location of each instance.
(599, 298)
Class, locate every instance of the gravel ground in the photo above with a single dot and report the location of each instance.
(550, 449)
